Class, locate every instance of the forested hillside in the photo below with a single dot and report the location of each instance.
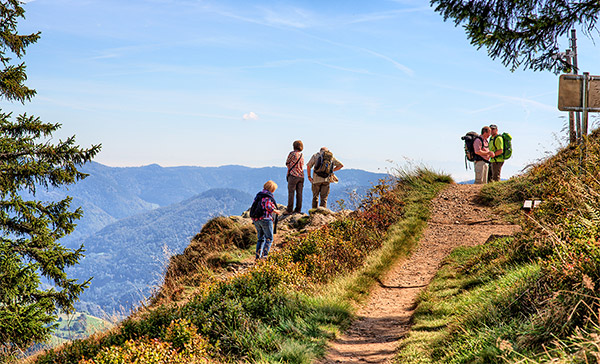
(135, 217)
(127, 258)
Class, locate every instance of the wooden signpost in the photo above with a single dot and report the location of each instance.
(579, 93)
(572, 90)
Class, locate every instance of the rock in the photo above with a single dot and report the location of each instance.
(243, 220)
(320, 210)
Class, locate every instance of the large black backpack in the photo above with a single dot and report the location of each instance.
(324, 164)
(256, 210)
(470, 155)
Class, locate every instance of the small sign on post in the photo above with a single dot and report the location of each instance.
(529, 205)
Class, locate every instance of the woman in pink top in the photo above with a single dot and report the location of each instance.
(295, 177)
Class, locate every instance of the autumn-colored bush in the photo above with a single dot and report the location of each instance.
(181, 344)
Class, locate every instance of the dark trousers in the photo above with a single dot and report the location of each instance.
(496, 168)
(320, 190)
(295, 186)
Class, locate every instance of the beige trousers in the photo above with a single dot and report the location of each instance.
(481, 172)
(321, 190)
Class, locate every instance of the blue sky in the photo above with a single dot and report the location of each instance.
(209, 83)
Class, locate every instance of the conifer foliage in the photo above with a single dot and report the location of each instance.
(522, 33)
(29, 228)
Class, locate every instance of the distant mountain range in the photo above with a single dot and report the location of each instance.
(136, 217)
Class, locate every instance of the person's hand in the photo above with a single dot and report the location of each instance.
(310, 179)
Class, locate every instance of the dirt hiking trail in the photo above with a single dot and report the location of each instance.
(456, 220)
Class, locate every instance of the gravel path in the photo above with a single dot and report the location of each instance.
(455, 221)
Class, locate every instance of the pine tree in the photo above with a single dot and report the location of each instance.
(30, 228)
(522, 33)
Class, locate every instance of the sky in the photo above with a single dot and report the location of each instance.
(383, 84)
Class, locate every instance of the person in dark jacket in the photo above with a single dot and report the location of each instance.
(264, 223)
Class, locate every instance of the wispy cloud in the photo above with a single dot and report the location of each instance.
(256, 19)
(396, 64)
(301, 18)
(293, 17)
(105, 56)
(290, 62)
(485, 109)
(370, 17)
(408, 71)
(525, 102)
(346, 69)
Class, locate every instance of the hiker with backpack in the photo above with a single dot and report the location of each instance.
(482, 155)
(295, 177)
(501, 145)
(324, 165)
(262, 213)
(497, 147)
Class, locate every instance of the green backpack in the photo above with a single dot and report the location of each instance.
(507, 150)
(507, 145)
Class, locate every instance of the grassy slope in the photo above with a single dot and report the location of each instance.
(528, 299)
(71, 327)
(282, 310)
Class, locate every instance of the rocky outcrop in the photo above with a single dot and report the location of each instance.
(298, 221)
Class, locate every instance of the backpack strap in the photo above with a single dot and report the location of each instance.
(493, 142)
(269, 196)
(477, 156)
(260, 196)
(294, 165)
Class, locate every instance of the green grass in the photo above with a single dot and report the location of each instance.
(77, 326)
(466, 315)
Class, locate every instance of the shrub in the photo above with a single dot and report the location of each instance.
(183, 337)
(147, 351)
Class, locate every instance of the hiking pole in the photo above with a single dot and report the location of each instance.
(275, 224)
